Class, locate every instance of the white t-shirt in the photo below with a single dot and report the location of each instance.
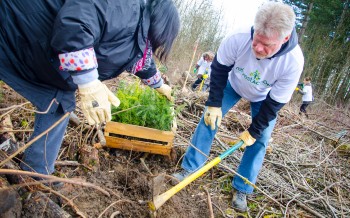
(253, 79)
(308, 93)
(204, 67)
(200, 62)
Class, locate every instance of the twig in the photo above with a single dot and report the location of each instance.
(328, 155)
(117, 202)
(17, 130)
(142, 159)
(308, 209)
(211, 213)
(69, 202)
(285, 214)
(189, 68)
(53, 179)
(67, 163)
(34, 139)
(126, 109)
(217, 207)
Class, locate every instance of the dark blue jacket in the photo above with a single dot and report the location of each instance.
(33, 33)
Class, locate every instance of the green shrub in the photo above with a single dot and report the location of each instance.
(143, 106)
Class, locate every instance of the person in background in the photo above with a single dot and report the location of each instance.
(50, 49)
(307, 98)
(203, 68)
(261, 64)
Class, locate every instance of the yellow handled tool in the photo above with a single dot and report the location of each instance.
(205, 76)
(159, 200)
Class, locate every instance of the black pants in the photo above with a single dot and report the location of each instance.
(196, 83)
(304, 106)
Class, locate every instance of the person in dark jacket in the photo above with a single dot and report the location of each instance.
(261, 64)
(48, 49)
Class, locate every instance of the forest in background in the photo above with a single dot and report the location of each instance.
(323, 28)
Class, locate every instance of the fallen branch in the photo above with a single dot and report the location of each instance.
(211, 213)
(53, 179)
(69, 202)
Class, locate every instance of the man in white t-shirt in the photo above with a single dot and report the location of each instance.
(307, 95)
(261, 64)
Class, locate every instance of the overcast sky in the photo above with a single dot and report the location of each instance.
(238, 12)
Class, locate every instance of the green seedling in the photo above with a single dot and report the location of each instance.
(143, 106)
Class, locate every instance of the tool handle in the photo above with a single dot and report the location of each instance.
(159, 200)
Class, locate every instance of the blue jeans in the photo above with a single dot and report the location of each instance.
(253, 156)
(40, 157)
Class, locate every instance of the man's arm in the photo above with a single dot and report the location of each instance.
(218, 81)
(268, 111)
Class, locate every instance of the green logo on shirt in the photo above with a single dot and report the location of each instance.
(253, 77)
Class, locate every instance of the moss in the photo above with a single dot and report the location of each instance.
(24, 123)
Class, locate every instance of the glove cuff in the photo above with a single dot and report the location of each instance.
(91, 87)
(86, 77)
(89, 84)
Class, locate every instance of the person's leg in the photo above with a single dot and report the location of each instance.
(253, 156)
(303, 107)
(205, 87)
(203, 135)
(196, 83)
(41, 155)
(306, 105)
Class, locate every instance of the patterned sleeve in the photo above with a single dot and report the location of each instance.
(79, 60)
(81, 64)
(146, 69)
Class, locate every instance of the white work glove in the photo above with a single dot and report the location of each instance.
(247, 138)
(212, 116)
(96, 100)
(166, 91)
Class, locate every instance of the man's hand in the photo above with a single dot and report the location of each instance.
(166, 91)
(96, 100)
(213, 116)
(247, 138)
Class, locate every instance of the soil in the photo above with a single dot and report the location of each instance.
(130, 184)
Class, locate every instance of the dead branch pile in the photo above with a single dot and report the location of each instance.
(305, 173)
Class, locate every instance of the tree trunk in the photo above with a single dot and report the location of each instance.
(305, 22)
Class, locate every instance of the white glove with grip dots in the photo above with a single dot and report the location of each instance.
(166, 91)
(96, 100)
(247, 138)
(213, 116)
